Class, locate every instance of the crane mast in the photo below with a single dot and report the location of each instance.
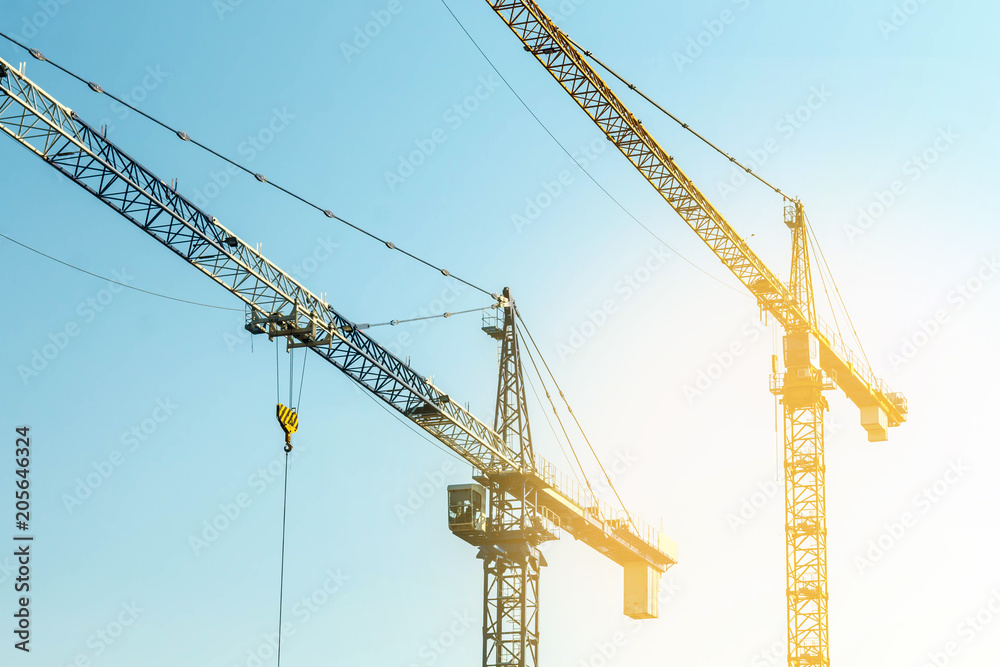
(800, 390)
(531, 500)
(815, 358)
(517, 525)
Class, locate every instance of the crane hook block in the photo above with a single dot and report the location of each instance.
(289, 421)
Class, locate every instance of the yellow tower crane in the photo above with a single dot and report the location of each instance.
(815, 358)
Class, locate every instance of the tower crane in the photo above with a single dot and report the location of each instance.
(529, 500)
(815, 358)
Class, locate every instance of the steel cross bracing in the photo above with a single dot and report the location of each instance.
(809, 371)
(57, 135)
(568, 66)
(510, 420)
(805, 530)
(510, 630)
(511, 560)
(62, 139)
(800, 389)
(512, 566)
(801, 275)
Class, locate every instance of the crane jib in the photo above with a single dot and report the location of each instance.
(57, 135)
(815, 359)
(556, 52)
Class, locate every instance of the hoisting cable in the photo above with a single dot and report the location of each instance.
(577, 162)
(826, 290)
(111, 280)
(534, 392)
(778, 439)
(207, 305)
(393, 323)
(561, 425)
(183, 136)
(277, 373)
(677, 120)
(837, 290)
(288, 419)
(577, 421)
(281, 579)
(407, 422)
(302, 380)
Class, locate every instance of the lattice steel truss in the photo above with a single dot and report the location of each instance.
(554, 50)
(800, 282)
(805, 524)
(511, 569)
(512, 561)
(791, 305)
(803, 404)
(58, 136)
(528, 501)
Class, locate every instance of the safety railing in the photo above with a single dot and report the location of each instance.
(618, 520)
(857, 364)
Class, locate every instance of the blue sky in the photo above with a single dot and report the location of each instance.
(888, 134)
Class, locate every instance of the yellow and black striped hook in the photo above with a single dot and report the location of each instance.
(288, 418)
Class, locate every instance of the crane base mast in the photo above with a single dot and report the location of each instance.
(800, 389)
(512, 565)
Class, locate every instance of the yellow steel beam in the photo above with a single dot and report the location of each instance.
(555, 51)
